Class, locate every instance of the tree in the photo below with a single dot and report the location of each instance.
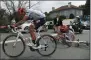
(10, 4)
(4, 17)
(82, 7)
(87, 7)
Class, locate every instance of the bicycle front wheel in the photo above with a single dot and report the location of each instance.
(12, 47)
(49, 43)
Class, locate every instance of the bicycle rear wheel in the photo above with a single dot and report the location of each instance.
(12, 50)
(48, 41)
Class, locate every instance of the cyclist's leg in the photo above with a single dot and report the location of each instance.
(32, 32)
(35, 26)
(71, 35)
(33, 36)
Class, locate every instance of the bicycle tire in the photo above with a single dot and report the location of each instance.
(3, 47)
(53, 41)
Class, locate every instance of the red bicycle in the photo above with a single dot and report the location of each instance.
(64, 40)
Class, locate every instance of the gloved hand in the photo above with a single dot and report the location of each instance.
(14, 25)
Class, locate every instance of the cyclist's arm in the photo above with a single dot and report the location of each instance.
(22, 21)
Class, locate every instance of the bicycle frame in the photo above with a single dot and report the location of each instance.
(19, 34)
(70, 41)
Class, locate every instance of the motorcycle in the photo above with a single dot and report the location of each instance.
(77, 27)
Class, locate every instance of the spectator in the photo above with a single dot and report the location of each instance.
(57, 22)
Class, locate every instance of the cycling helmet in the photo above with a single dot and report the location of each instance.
(64, 28)
(21, 10)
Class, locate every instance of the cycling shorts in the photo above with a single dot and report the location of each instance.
(42, 22)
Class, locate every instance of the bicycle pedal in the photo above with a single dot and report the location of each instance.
(32, 49)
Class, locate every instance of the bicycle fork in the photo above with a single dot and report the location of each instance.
(16, 40)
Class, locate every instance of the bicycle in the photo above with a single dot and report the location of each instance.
(64, 40)
(42, 40)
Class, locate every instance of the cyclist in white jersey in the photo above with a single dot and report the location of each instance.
(37, 17)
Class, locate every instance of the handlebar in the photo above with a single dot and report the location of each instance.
(16, 29)
(13, 29)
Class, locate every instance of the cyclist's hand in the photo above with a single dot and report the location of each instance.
(14, 25)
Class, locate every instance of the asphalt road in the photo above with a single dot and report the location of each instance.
(81, 52)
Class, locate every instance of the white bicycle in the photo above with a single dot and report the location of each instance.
(18, 43)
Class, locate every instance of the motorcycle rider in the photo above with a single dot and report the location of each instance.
(78, 21)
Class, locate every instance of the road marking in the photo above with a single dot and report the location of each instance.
(76, 41)
(53, 34)
(11, 41)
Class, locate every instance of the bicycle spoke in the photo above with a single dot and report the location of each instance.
(50, 45)
(13, 48)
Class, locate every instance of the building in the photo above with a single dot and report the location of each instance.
(66, 11)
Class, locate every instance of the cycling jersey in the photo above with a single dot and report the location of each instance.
(35, 14)
(70, 35)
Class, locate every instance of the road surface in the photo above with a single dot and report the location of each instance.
(81, 52)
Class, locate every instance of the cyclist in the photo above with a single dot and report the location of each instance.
(38, 20)
(78, 21)
(65, 29)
